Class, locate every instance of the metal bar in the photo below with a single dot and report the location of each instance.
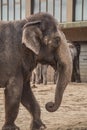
(53, 7)
(20, 9)
(46, 5)
(39, 5)
(32, 6)
(1, 9)
(60, 10)
(7, 9)
(14, 9)
(74, 10)
(82, 9)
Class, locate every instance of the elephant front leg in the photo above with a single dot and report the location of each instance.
(13, 93)
(29, 101)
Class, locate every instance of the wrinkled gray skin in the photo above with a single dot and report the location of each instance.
(23, 44)
(39, 74)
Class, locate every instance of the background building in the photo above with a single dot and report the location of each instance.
(71, 14)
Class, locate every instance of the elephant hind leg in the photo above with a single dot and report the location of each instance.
(13, 93)
(29, 102)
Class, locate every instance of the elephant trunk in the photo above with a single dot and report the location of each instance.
(62, 81)
(65, 72)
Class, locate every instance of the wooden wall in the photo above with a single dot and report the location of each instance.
(83, 62)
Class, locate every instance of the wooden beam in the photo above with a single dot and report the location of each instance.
(28, 8)
(74, 24)
(70, 10)
(76, 34)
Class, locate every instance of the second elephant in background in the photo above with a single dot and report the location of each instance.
(39, 74)
(75, 52)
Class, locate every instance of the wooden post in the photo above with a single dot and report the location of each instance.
(70, 4)
(28, 8)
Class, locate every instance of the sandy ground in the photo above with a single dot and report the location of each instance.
(72, 114)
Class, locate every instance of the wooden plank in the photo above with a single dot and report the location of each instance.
(76, 34)
(83, 63)
(84, 59)
(83, 56)
(83, 72)
(83, 68)
(83, 53)
(84, 47)
(84, 77)
(84, 80)
(28, 8)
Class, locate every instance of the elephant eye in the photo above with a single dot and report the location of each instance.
(46, 40)
(56, 41)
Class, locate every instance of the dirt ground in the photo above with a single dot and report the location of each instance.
(72, 114)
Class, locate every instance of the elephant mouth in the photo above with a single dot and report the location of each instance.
(63, 78)
(46, 57)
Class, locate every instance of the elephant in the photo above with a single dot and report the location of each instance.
(24, 44)
(75, 58)
(39, 74)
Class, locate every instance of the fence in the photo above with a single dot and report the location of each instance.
(16, 9)
(61, 9)
(80, 10)
(12, 9)
(56, 7)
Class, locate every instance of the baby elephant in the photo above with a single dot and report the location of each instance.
(24, 44)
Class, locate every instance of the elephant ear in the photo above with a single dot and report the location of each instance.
(31, 36)
(32, 23)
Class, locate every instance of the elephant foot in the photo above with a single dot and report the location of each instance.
(37, 125)
(10, 127)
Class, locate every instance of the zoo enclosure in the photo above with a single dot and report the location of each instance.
(16, 9)
(63, 10)
(12, 9)
(71, 13)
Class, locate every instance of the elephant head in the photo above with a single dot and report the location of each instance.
(49, 45)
